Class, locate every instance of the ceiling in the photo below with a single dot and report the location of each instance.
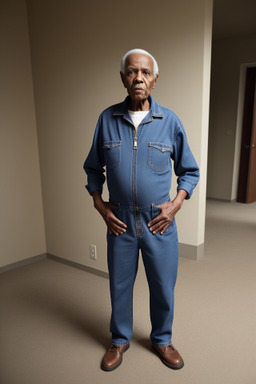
(232, 18)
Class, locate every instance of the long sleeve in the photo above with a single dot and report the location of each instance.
(185, 166)
(94, 164)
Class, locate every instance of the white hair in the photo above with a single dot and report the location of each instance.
(142, 51)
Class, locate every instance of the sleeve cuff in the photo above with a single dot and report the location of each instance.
(92, 188)
(189, 188)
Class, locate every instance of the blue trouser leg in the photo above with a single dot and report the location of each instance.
(123, 255)
(160, 257)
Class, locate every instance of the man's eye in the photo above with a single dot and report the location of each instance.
(130, 72)
(147, 73)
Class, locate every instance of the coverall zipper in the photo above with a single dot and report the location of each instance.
(138, 224)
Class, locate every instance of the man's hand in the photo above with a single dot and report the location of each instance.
(115, 226)
(168, 212)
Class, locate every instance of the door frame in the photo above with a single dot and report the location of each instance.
(239, 127)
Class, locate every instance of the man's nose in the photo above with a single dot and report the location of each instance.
(138, 77)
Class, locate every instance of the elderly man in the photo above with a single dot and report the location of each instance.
(137, 141)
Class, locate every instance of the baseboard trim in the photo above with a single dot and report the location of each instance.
(22, 263)
(185, 250)
(191, 251)
(78, 266)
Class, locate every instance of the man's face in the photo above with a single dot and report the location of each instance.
(139, 77)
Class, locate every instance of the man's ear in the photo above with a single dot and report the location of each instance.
(156, 78)
(123, 78)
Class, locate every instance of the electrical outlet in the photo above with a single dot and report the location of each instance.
(93, 253)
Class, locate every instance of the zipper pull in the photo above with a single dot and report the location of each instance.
(135, 144)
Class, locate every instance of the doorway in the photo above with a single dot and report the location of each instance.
(247, 172)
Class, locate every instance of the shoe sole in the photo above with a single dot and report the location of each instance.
(109, 369)
(175, 367)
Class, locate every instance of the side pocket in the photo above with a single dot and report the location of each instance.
(155, 212)
(112, 153)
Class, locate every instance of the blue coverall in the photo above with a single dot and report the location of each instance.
(139, 171)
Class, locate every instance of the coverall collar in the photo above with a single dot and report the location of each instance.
(155, 110)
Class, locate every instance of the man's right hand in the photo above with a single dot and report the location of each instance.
(115, 226)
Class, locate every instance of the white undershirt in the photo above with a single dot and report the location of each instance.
(137, 117)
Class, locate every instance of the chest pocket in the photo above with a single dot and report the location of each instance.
(112, 153)
(159, 156)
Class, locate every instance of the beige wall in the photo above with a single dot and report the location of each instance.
(229, 57)
(76, 47)
(21, 213)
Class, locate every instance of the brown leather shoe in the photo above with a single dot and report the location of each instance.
(113, 357)
(170, 356)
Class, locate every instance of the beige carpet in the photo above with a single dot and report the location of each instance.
(54, 318)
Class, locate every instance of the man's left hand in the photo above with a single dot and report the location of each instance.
(168, 211)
